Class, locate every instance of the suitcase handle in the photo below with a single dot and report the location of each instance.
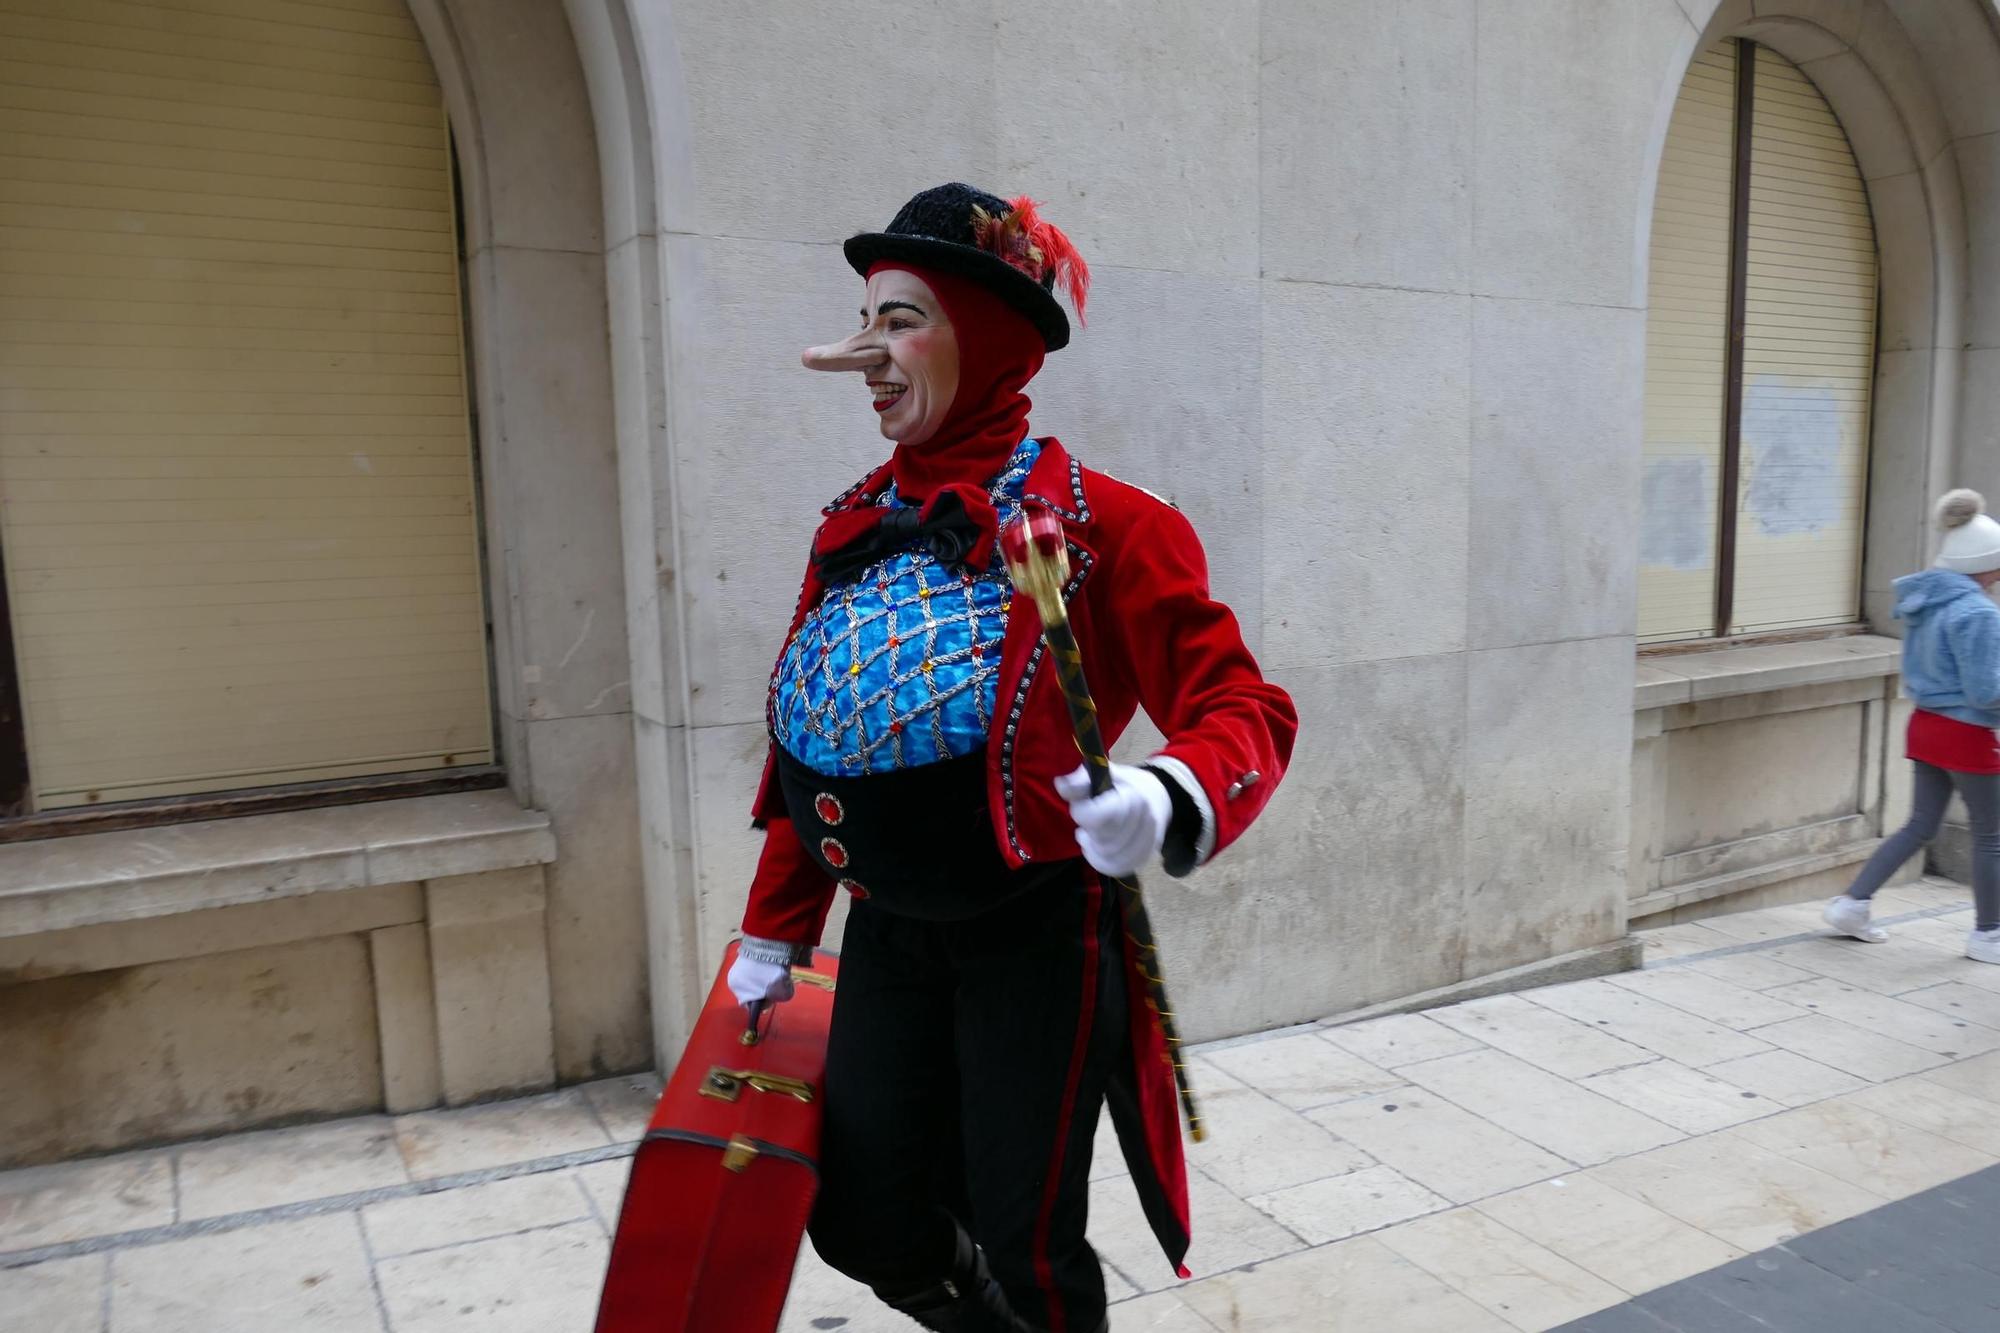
(753, 1032)
(726, 1085)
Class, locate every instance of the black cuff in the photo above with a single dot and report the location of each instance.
(1178, 852)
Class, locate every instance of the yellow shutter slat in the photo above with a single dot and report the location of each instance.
(56, 47)
(236, 423)
(182, 358)
(394, 43)
(80, 24)
(234, 203)
(29, 162)
(54, 73)
(281, 173)
(25, 112)
(236, 492)
(345, 659)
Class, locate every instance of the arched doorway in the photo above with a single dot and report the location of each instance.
(570, 689)
(235, 445)
(1915, 86)
(1863, 185)
(1760, 358)
(247, 275)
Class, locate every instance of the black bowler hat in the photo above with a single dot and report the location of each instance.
(1003, 245)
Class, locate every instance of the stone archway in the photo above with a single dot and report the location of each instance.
(542, 354)
(576, 156)
(1916, 85)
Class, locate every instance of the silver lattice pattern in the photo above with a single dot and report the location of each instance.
(900, 667)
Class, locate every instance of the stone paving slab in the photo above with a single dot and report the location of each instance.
(61, 1296)
(1766, 1123)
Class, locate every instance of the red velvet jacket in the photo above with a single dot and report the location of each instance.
(1152, 637)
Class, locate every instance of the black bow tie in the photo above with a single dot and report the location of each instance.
(956, 526)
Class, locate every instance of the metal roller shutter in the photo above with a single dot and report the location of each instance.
(1808, 363)
(236, 484)
(1687, 332)
(1805, 245)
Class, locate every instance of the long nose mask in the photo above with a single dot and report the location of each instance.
(866, 348)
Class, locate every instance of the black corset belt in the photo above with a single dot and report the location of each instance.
(915, 841)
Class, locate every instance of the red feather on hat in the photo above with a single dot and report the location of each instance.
(1037, 247)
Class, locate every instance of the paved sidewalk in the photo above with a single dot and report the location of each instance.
(1922, 1263)
(1519, 1162)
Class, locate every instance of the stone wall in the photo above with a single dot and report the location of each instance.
(538, 307)
(1369, 307)
(1762, 775)
(160, 984)
(168, 1050)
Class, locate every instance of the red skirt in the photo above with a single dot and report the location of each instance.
(1945, 742)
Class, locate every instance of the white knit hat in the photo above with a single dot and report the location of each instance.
(1971, 539)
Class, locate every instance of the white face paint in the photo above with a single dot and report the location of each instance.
(906, 353)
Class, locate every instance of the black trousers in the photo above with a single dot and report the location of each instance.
(965, 1073)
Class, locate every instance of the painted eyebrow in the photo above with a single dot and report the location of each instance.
(887, 306)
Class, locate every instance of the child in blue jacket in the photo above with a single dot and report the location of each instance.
(1951, 669)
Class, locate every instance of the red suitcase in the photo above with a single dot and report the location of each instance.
(723, 1182)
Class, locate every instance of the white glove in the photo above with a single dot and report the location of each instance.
(1122, 829)
(752, 979)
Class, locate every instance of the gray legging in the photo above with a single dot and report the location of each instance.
(1933, 793)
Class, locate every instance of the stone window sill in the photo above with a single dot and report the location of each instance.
(63, 883)
(1664, 682)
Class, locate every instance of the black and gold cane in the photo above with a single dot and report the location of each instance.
(1038, 562)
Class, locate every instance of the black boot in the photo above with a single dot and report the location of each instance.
(969, 1301)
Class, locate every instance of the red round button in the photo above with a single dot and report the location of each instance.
(829, 809)
(835, 854)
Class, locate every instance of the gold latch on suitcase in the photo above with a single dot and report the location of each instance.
(808, 977)
(726, 1085)
(738, 1153)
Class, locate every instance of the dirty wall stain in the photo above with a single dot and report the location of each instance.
(1791, 456)
(1678, 513)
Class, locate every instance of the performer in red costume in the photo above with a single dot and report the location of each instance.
(922, 761)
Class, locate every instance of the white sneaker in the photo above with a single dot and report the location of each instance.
(1849, 916)
(1983, 946)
